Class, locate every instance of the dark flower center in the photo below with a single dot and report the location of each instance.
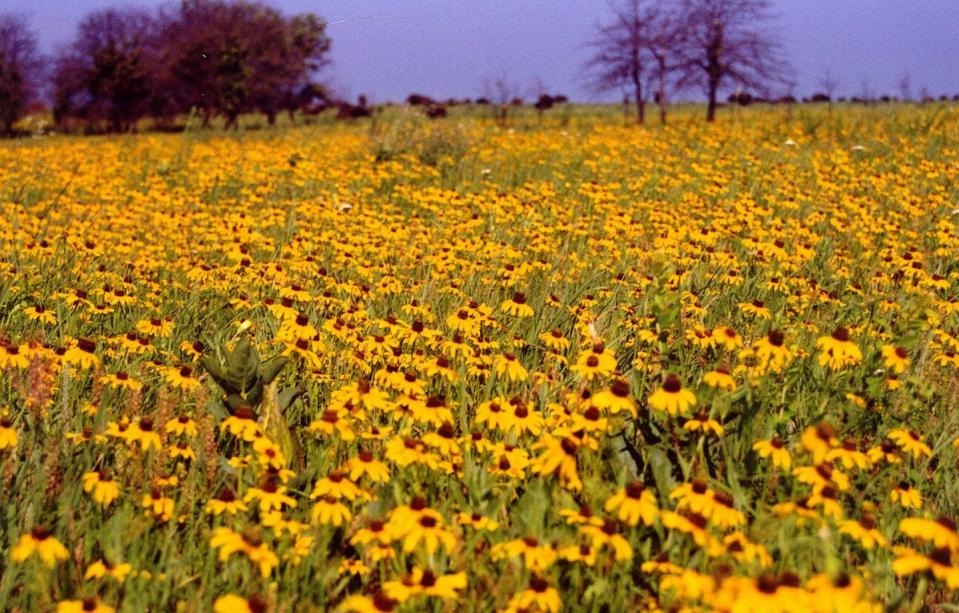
(672, 384)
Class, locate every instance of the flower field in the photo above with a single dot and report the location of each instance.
(448, 366)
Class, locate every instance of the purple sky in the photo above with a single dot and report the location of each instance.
(450, 48)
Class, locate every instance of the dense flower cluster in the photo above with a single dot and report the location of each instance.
(581, 366)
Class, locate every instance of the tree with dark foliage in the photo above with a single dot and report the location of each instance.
(106, 74)
(20, 70)
(725, 45)
(231, 57)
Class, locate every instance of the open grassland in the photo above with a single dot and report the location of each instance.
(449, 366)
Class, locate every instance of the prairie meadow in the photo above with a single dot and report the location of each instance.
(401, 364)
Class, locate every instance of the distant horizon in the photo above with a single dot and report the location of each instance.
(446, 49)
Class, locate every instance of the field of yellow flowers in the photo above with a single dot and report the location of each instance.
(562, 365)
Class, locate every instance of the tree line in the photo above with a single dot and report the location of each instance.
(223, 58)
(218, 58)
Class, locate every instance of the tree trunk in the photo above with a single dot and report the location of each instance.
(661, 94)
(711, 105)
(640, 101)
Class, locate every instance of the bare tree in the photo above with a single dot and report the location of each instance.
(866, 94)
(829, 84)
(621, 55)
(503, 93)
(662, 48)
(20, 69)
(726, 45)
(905, 87)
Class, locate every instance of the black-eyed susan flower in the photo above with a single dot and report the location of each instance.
(507, 365)
(939, 562)
(536, 556)
(182, 425)
(248, 543)
(182, 378)
(694, 496)
(849, 455)
(158, 506)
(364, 464)
(695, 526)
(597, 361)
(744, 550)
(353, 568)
(270, 496)
(615, 399)
(336, 485)
(425, 582)
(539, 596)
(582, 515)
(910, 442)
(329, 511)
(105, 568)
(82, 354)
(837, 351)
(85, 605)
(225, 502)
(8, 435)
(143, 434)
(477, 521)
(906, 495)
(822, 476)
(940, 532)
(517, 306)
(672, 397)
(232, 603)
(520, 419)
(775, 450)
(756, 308)
(555, 340)
(242, 424)
(429, 530)
(40, 543)
(895, 358)
(723, 513)
(863, 530)
(41, 314)
(720, 378)
(632, 504)
(578, 553)
(702, 422)
(842, 592)
(101, 486)
(155, 327)
(771, 352)
(559, 457)
(121, 380)
(819, 440)
(727, 337)
(12, 358)
(491, 412)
